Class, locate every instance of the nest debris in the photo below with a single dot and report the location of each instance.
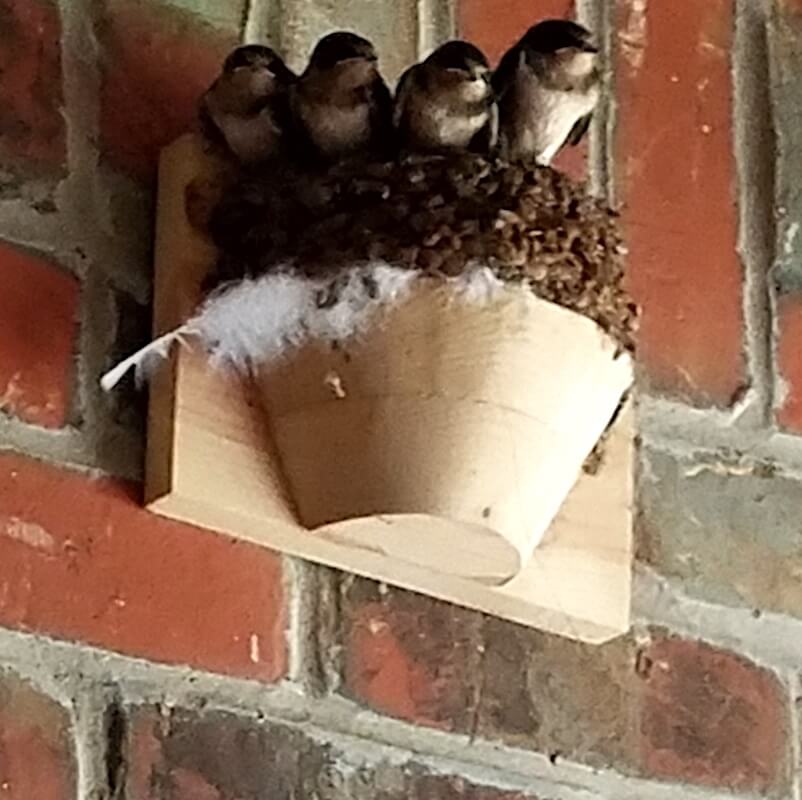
(439, 215)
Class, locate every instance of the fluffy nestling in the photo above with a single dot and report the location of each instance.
(245, 112)
(446, 103)
(341, 105)
(547, 86)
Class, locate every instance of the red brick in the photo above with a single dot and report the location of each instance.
(410, 657)
(789, 358)
(80, 559)
(38, 309)
(158, 61)
(676, 177)
(671, 709)
(434, 664)
(573, 161)
(495, 26)
(711, 718)
(31, 125)
(36, 753)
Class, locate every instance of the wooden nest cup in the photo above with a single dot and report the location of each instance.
(445, 440)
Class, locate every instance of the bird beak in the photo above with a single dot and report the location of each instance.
(587, 47)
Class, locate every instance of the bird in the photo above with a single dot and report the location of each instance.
(446, 103)
(547, 86)
(340, 105)
(245, 111)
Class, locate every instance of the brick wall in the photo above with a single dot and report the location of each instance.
(144, 659)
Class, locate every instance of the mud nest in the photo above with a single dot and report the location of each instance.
(530, 225)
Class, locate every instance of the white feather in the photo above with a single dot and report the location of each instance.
(254, 319)
(478, 286)
(258, 320)
(141, 361)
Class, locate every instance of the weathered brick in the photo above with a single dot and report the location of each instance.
(785, 29)
(676, 176)
(27, 182)
(496, 26)
(38, 307)
(412, 657)
(157, 62)
(558, 696)
(37, 759)
(181, 754)
(434, 664)
(712, 718)
(602, 706)
(728, 537)
(187, 755)
(80, 559)
(789, 361)
(31, 124)
(390, 25)
(419, 785)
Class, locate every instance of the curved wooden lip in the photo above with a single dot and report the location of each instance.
(423, 540)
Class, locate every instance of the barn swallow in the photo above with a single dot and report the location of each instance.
(245, 111)
(341, 104)
(547, 86)
(447, 102)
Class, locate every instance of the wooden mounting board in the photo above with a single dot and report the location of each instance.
(209, 463)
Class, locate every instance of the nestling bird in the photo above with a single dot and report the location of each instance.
(341, 104)
(447, 103)
(245, 110)
(547, 86)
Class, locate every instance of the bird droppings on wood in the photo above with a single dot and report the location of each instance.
(438, 215)
(335, 384)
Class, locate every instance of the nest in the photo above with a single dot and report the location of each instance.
(439, 215)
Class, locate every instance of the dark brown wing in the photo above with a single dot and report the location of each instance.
(504, 75)
(579, 130)
(401, 108)
(381, 117)
(401, 96)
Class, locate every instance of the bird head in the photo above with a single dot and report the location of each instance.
(259, 67)
(461, 64)
(340, 48)
(460, 58)
(345, 58)
(563, 45)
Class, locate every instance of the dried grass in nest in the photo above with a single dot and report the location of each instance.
(530, 225)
